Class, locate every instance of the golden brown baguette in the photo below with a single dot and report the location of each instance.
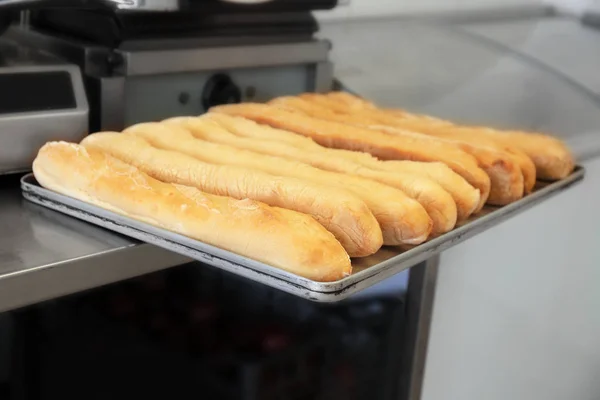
(344, 101)
(551, 157)
(402, 220)
(282, 238)
(507, 182)
(266, 132)
(487, 151)
(341, 213)
(506, 177)
(350, 101)
(383, 146)
(437, 202)
(503, 186)
(465, 196)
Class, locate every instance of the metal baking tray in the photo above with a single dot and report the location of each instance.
(366, 271)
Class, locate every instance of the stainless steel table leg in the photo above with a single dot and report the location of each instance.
(419, 309)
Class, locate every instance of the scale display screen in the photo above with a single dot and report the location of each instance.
(36, 91)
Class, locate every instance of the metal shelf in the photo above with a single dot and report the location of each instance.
(44, 254)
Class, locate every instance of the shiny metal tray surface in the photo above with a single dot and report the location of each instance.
(366, 271)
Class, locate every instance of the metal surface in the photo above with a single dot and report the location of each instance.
(419, 311)
(109, 94)
(92, 59)
(322, 76)
(137, 63)
(44, 254)
(255, 85)
(367, 271)
(23, 133)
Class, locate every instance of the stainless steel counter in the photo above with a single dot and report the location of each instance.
(44, 254)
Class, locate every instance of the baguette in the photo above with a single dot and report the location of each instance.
(487, 151)
(382, 146)
(551, 157)
(350, 101)
(266, 132)
(464, 195)
(506, 178)
(341, 213)
(402, 220)
(343, 102)
(437, 202)
(282, 238)
(507, 181)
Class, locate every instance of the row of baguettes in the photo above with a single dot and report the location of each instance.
(248, 178)
(382, 214)
(360, 202)
(502, 165)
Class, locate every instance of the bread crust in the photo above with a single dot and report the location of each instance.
(341, 213)
(437, 202)
(465, 196)
(402, 219)
(551, 157)
(381, 145)
(506, 176)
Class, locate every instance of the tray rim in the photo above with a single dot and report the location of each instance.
(272, 276)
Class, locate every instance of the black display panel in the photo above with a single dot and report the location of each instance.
(36, 91)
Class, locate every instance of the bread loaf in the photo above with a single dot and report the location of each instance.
(551, 157)
(350, 101)
(478, 145)
(507, 180)
(382, 146)
(402, 220)
(341, 213)
(437, 202)
(464, 195)
(486, 151)
(282, 238)
(261, 131)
